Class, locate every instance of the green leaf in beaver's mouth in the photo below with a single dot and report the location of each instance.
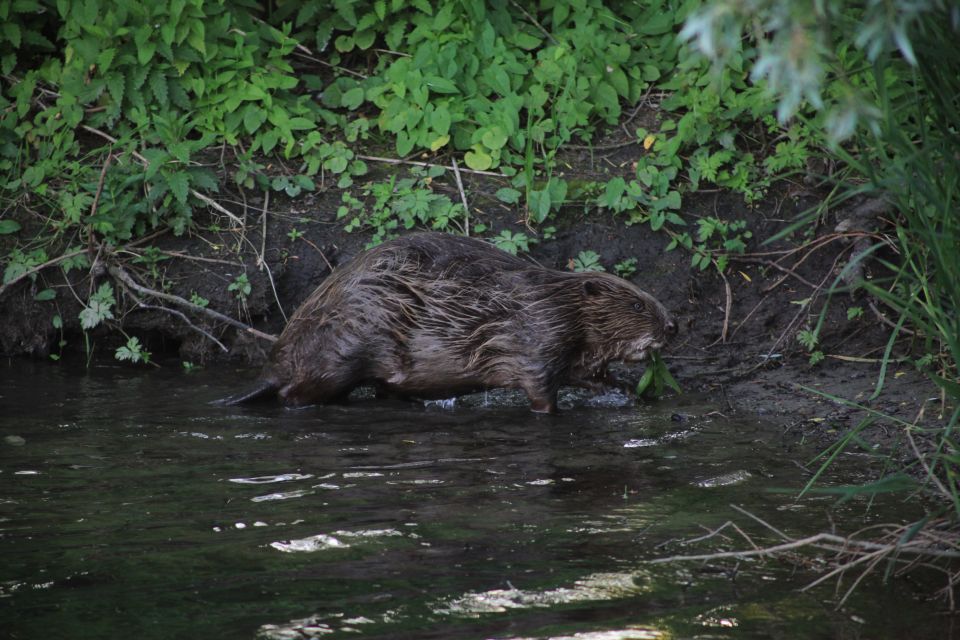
(656, 378)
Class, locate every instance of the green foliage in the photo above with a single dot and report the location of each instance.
(889, 92)
(656, 379)
(484, 78)
(198, 300)
(626, 267)
(587, 261)
(400, 204)
(854, 312)
(20, 262)
(99, 308)
(151, 257)
(240, 287)
(133, 351)
(9, 226)
(512, 242)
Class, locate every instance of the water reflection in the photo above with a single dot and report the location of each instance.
(130, 507)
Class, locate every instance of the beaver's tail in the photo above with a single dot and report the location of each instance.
(263, 390)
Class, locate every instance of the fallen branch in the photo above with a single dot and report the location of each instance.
(120, 274)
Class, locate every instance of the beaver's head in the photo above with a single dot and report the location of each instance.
(623, 322)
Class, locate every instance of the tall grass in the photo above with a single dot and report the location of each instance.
(911, 156)
(881, 82)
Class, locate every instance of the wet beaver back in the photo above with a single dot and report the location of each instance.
(433, 315)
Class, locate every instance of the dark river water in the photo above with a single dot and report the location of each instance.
(132, 508)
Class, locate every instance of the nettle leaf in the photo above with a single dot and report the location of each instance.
(145, 52)
(115, 85)
(158, 85)
(203, 178)
(179, 183)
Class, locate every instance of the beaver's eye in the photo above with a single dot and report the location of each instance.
(638, 306)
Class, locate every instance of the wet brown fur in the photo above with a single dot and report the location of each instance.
(432, 315)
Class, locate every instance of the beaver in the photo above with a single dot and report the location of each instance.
(432, 315)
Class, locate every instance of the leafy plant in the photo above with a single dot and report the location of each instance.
(133, 351)
(240, 287)
(656, 379)
(99, 308)
(400, 204)
(151, 257)
(587, 261)
(626, 267)
(512, 242)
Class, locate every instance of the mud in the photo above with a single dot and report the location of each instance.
(755, 366)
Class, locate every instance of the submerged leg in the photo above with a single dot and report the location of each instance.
(328, 391)
(542, 400)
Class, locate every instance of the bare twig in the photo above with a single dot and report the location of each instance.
(429, 164)
(262, 260)
(120, 274)
(186, 320)
(40, 267)
(322, 254)
(771, 263)
(463, 197)
(885, 320)
(729, 306)
(534, 21)
(827, 541)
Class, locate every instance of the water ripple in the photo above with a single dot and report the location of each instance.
(283, 477)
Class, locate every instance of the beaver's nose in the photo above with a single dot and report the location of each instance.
(670, 328)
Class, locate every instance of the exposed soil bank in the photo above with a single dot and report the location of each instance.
(738, 332)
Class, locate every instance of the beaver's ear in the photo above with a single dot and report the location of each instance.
(591, 288)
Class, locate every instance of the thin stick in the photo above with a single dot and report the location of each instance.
(534, 21)
(120, 274)
(771, 263)
(838, 543)
(463, 196)
(726, 313)
(756, 518)
(429, 164)
(322, 255)
(186, 320)
(103, 175)
(261, 259)
(40, 267)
